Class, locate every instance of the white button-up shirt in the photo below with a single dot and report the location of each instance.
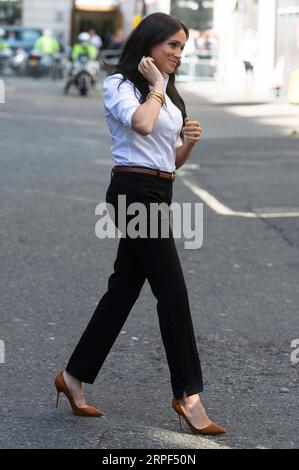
(155, 150)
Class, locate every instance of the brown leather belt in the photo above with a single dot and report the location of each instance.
(146, 171)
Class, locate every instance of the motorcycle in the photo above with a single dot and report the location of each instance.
(5, 56)
(57, 66)
(82, 74)
(18, 61)
(35, 64)
(40, 64)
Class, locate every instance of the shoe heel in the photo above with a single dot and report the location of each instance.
(181, 422)
(61, 387)
(212, 429)
(57, 399)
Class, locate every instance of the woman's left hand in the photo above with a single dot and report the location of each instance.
(192, 131)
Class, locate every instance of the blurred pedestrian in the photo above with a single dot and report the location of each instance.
(248, 53)
(115, 44)
(278, 76)
(116, 40)
(95, 39)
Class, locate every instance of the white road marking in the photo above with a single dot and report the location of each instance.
(221, 209)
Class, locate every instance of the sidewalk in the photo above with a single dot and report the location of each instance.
(264, 107)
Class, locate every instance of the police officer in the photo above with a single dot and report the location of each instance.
(3, 44)
(47, 44)
(83, 47)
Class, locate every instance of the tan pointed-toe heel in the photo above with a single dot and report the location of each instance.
(212, 430)
(61, 387)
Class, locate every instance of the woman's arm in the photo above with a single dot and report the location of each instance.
(183, 153)
(192, 134)
(146, 115)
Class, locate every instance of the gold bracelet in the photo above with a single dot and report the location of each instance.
(158, 98)
(156, 93)
(160, 94)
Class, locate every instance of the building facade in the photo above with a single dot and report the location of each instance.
(272, 24)
(287, 37)
(49, 14)
(275, 28)
(66, 18)
(10, 12)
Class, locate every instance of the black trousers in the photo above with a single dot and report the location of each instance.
(138, 259)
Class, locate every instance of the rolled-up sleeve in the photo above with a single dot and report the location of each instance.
(121, 101)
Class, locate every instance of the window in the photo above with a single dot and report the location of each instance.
(196, 14)
(59, 16)
(248, 11)
(10, 12)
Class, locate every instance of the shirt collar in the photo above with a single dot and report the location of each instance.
(166, 79)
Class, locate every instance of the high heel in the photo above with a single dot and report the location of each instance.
(181, 422)
(213, 429)
(61, 387)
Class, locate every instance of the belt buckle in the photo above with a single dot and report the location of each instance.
(173, 176)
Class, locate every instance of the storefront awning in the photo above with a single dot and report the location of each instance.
(96, 5)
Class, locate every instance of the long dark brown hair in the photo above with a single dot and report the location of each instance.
(152, 30)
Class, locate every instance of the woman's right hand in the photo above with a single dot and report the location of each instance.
(150, 72)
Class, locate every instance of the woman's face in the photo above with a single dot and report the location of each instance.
(167, 54)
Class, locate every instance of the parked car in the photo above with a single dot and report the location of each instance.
(21, 42)
(18, 37)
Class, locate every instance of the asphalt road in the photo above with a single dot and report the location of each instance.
(243, 282)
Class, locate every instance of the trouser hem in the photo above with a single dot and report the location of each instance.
(187, 390)
(86, 380)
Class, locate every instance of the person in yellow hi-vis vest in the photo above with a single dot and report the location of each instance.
(5, 53)
(3, 43)
(83, 47)
(47, 44)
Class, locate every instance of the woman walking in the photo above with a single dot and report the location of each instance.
(151, 137)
